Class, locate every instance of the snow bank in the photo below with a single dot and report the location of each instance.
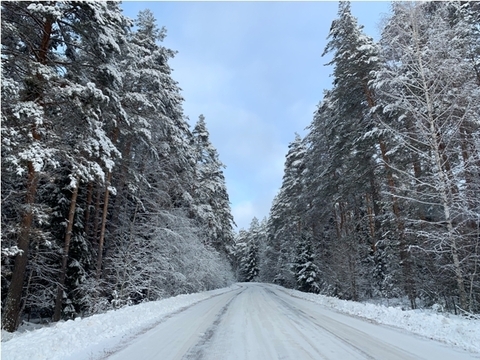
(82, 338)
(444, 327)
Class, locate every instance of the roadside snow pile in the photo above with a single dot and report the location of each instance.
(69, 339)
(444, 327)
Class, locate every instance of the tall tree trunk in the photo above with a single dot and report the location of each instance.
(446, 203)
(405, 258)
(11, 315)
(86, 221)
(96, 217)
(371, 221)
(101, 240)
(66, 247)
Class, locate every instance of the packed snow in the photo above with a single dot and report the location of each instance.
(215, 321)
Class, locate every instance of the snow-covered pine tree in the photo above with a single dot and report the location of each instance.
(306, 272)
(212, 205)
(156, 159)
(354, 56)
(154, 185)
(98, 108)
(247, 251)
(354, 155)
(286, 222)
(356, 149)
(268, 253)
(26, 74)
(53, 84)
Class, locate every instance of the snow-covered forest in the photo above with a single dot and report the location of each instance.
(108, 197)
(381, 199)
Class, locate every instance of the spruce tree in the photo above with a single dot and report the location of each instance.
(212, 205)
(306, 272)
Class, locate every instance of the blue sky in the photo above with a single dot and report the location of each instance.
(255, 71)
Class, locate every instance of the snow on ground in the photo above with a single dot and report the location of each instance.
(447, 328)
(67, 340)
(64, 339)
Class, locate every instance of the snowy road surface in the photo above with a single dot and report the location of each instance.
(259, 321)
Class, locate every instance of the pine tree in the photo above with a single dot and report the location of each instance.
(286, 222)
(45, 55)
(154, 194)
(212, 207)
(247, 252)
(357, 145)
(306, 272)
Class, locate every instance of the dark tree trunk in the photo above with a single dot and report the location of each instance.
(11, 315)
(68, 236)
(101, 240)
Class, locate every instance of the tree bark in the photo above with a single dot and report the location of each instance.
(405, 259)
(86, 221)
(68, 236)
(101, 240)
(96, 221)
(371, 221)
(11, 315)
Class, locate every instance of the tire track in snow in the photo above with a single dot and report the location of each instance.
(197, 351)
(349, 336)
(299, 319)
(309, 319)
(131, 338)
(256, 326)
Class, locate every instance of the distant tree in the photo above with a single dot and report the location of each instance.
(247, 251)
(268, 253)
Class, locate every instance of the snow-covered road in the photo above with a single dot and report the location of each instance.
(260, 321)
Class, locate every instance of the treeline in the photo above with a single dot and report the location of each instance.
(381, 199)
(108, 197)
